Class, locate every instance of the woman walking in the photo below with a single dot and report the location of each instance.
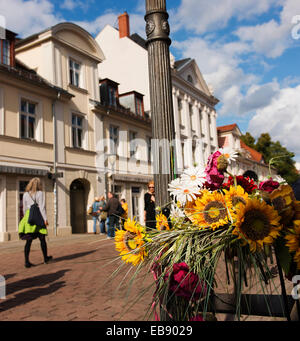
(149, 210)
(33, 194)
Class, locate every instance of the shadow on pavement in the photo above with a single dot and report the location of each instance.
(9, 276)
(30, 295)
(72, 256)
(36, 281)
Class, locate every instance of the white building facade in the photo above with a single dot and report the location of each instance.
(126, 62)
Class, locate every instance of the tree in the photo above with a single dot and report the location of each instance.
(249, 140)
(273, 152)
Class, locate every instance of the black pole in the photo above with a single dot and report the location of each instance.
(163, 131)
(283, 289)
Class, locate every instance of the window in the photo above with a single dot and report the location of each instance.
(77, 130)
(22, 187)
(117, 190)
(6, 52)
(190, 79)
(180, 112)
(28, 117)
(139, 106)
(136, 202)
(132, 143)
(112, 96)
(75, 68)
(114, 139)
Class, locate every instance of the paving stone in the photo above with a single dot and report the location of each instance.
(75, 286)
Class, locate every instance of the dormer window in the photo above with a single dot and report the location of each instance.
(109, 92)
(7, 47)
(133, 101)
(6, 52)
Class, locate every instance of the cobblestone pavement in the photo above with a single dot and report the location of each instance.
(75, 286)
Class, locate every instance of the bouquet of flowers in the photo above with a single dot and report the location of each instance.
(211, 217)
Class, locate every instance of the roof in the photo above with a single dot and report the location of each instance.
(23, 73)
(139, 40)
(228, 127)
(255, 155)
(181, 62)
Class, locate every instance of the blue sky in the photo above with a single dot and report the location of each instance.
(248, 50)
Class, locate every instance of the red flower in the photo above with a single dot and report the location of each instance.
(268, 185)
(247, 183)
(185, 283)
(214, 176)
(197, 318)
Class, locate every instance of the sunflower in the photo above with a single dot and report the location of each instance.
(208, 211)
(237, 196)
(293, 242)
(162, 222)
(257, 224)
(130, 242)
(283, 199)
(297, 210)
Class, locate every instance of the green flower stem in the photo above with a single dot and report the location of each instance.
(234, 178)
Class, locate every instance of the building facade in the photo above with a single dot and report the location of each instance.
(81, 137)
(193, 102)
(48, 127)
(249, 161)
(124, 153)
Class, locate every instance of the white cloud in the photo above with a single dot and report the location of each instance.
(258, 96)
(28, 17)
(137, 23)
(202, 16)
(220, 66)
(272, 38)
(281, 118)
(68, 4)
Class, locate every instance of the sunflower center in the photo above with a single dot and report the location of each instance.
(129, 241)
(214, 211)
(279, 203)
(193, 177)
(236, 199)
(256, 225)
(186, 191)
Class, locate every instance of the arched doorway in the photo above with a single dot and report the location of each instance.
(250, 174)
(78, 203)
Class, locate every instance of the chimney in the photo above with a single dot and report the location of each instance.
(124, 29)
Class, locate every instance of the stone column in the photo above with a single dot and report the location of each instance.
(158, 42)
(214, 129)
(188, 145)
(178, 149)
(206, 129)
(199, 143)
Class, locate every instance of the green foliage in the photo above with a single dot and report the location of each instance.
(274, 152)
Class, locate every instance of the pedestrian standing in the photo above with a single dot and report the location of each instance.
(111, 208)
(149, 209)
(34, 194)
(96, 213)
(103, 215)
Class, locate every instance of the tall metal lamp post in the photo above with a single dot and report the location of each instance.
(163, 132)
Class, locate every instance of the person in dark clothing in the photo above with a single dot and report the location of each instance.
(296, 189)
(111, 208)
(149, 210)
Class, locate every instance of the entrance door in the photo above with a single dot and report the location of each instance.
(136, 195)
(78, 207)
